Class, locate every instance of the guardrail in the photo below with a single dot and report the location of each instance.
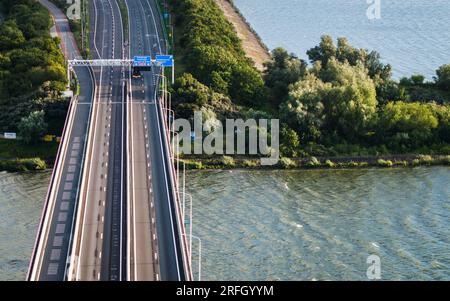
(175, 195)
(33, 273)
(75, 213)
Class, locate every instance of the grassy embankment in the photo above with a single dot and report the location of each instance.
(124, 14)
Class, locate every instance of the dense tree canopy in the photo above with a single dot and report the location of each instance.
(407, 124)
(31, 64)
(33, 127)
(343, 52)
(346, 96)
(338, 99)
(213, 52)
(284, 69)
(443, 77)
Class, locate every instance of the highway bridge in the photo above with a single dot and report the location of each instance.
(113, 209)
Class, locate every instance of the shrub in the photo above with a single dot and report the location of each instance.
(20, 165)
(415, 162)
(249, 163)
(385, 163)
(228, 162)
(401, 163)
(329, 163)
(425, 159)
(287, 163)
(313, 162)
(353, 164)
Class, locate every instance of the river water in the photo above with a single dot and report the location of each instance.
(323, 224)
(412, 35)
(284, 225)
(21, 200)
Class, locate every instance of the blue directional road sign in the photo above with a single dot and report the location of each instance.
(142, 61)
(164, 60)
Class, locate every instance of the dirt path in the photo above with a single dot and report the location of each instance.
(252, 45)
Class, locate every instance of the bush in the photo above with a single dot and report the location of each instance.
(385, 163)
(249, 163)
(353, 164)
(313, 162)
(407, 124)
(228, 162)
(425, 159)
(329, 163)
(415, 162)
(287, 163)
(401, 163)
(20, 165)
(33, 127)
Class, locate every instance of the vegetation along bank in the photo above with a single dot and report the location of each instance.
(343, 102)
(32, 76)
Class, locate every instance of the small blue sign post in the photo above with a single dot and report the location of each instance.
(166, 61)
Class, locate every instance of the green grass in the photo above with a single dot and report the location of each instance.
(124, 13)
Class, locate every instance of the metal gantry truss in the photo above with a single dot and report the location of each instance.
(101, 63)
(109, 63)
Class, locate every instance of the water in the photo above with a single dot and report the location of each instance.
(284, 225)
(412, 35)
(323, 224)
(21, 201)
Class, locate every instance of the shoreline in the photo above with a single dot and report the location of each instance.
(252, 43)
(388, 161)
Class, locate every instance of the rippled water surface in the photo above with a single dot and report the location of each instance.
(21, 200)
(323, 224)
(288, 225)
(412, 35)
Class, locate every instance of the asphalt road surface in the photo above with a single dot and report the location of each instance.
(54, 232)
(99, 248)
(109, 238)
(147, 39)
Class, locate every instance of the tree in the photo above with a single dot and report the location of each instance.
(442, 114)
(390, 90)
(344, 52)
(417, 79)
(339, 100)
(324, 51)
(10, 36)
(407, 124)
(290, 142)
(283, 70)
(32, 127)
(247, 86)
(350, 102)
(303, 110)
(443, 77)
(188, 89)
